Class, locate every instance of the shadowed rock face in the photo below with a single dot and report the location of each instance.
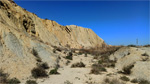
(22, 31)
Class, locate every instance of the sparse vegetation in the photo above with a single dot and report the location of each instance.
(79, 64)
(31, 82)
(131, 45)
(38, 72)
(143, 81)
(103, 60)
(46, 18)
(38, 60)
(35, 53)
(59, 49)
(100, 50)
(134, 81)
(67, 82)
(112, 81)
(144, 54)
(124, 78)
(69, 56)
(44, 65)
(53, 71)
(95, 71)
(67, 62)
(3, 77)
(80, 53)
(107, 80)
(97, 68)
(54, 50)
(67, 45)
(85, 54)
(147, 45)
(13, 81)
(100, 62)
(127, 69)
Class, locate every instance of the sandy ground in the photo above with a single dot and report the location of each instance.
(79, 75)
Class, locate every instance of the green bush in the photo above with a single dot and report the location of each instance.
(53, 71)
(124, 78)
(38, 72)
(31, 82)
(13, 81)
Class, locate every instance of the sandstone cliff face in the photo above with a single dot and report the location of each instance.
(22, 31)
(47, 30)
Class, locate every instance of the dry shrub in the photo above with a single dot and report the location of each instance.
(100, 50)
(124, 78)
(97, 68)
(38, 72)
(43, 65)
(134, 81)
(69, 56)
(35, 53)
(3, 77)
(143, 81)
(112, 81)
(79, 64)
(147, 45)
(31, 82)
(127, 69)
(5, 80)
(13, 81)
(144, 54)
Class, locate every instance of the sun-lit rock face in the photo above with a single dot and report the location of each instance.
(22, 31)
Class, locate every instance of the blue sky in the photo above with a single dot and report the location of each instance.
(117, 22)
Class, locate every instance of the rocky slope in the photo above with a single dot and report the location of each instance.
(22, 33)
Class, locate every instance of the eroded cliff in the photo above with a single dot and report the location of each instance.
(21, 32)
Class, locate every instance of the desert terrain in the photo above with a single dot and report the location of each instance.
(41, 51)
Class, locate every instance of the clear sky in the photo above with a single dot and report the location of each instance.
(116, 22)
